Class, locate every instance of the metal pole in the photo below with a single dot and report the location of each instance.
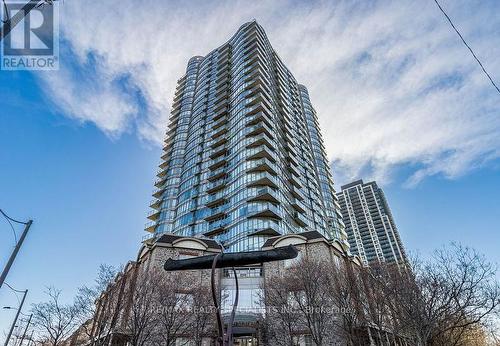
(220, 327)
(25, 330)
(15, 319)
(14, 253)
(30, 341)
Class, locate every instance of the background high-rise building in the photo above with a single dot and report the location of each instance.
(370, 227)
(243, 158)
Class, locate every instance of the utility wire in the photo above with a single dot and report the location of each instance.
(10, 223)
(9, 286)
(15, 292)
(11, 219)
(470, 49)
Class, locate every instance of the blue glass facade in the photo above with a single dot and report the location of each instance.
(243, 158)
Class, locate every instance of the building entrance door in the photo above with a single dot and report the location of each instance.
(245, 341)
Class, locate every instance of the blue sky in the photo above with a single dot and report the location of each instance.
(399, 99)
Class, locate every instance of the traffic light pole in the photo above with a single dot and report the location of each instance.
(14, 253)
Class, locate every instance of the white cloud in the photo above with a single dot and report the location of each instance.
(391, 82)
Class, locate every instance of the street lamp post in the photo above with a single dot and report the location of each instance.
(27, 226)
(15, 318)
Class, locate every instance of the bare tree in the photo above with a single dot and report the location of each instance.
(281, 319)
(347, 293)
(143, 319)
(299, 302)
(54, 320)
(311, 295)
(86, 301)
(202, 314)
(446, 299)
(175, 299)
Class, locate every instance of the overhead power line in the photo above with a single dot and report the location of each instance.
(465, 43)
(11, 219)
(11, 225)
(13, 289)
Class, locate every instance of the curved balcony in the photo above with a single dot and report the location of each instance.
(216, 227)
(154, 215)
(258, 117)
(155, 203)
(259, 107)
(159, 182)
(293, 169)
(263, 165)
(222, 112)
(266, 194)
(161, 172)
(219, 122)
(261, 127)
(150, 226)
(219, 132)
(260, 140)
(263, 210)
(215, 199)
(216, 142)
(216, 185)
(295, 181)
(163, 165)
(261, 152)
(217, 212)
(218, 151)
(217, 162)
(300, 219)
(298, 205)
(296, 193)
(217, 174)
(158, 192)
(263, 179)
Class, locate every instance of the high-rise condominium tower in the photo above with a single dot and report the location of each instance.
(371, 230)
(243, 158)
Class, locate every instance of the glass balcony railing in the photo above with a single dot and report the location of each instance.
(265, 209)
(215, 198)
(217, 227)
(258, 129)
(216, 142)
(158, 192)
(155, 203)
(217, 162)
(219, 132)
(150, 226)
(300, 219)
(264, 194)
(261, 151)
(216, 185)
(298, 205)
(263, 179)
(216, 174)
(263, 165)
(154, 215)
